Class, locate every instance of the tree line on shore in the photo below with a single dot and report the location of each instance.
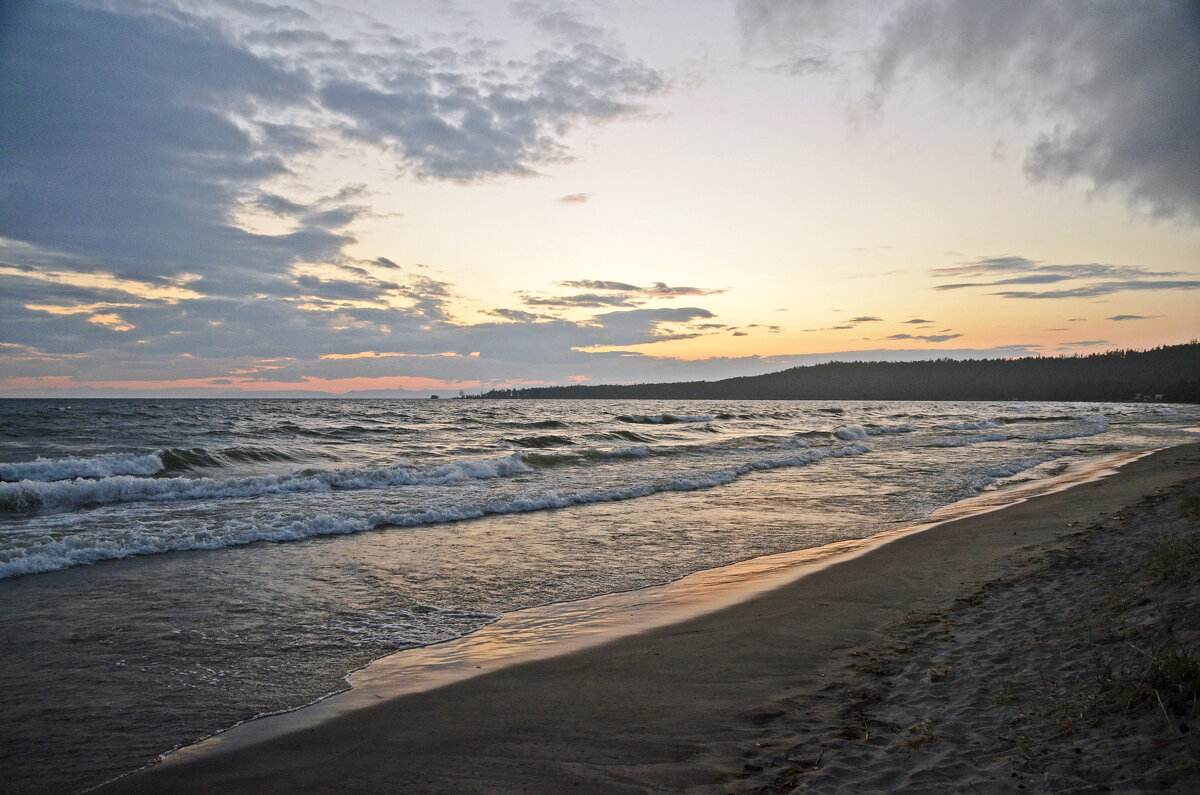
(1170, 373)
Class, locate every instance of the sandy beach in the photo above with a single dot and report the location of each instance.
(1052, 645)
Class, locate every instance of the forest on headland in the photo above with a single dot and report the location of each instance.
(1170, 373)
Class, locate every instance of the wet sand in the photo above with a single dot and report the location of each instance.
(750, 696)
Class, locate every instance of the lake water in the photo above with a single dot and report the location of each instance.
(170, 568)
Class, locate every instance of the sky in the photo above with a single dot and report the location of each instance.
(405, 197)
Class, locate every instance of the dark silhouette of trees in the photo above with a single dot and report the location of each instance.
(1168, 373)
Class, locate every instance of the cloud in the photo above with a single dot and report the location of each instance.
(575, 198)
(661, 290)
(1104, 288)
(849, 324)
(1133, 317)
(142, 114)
(168, 125)
(614, 294)
(447, 122)
(927, 338)
(580, 300)
(552, 19)
(598, 284)
(144, 148)
(918, 320)
(1104, 279)
(1110, 90)
(1033, 269)
(519, 316)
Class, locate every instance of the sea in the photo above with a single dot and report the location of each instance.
(170, 568)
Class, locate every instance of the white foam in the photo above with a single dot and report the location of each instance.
(849, 433)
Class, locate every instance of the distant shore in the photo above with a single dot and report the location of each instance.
(920, 663)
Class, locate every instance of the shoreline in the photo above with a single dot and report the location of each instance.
(560, 628)
(181, 766)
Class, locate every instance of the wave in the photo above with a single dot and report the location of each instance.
(180, 460)
(880, 430)
(966, 441)
(664, 419)
(551, 459)
(541, 425)
(159, 462)
(50, 554)
(849, 433)
(974, 425)
(628, 436)
(1007, 470)
(1092, 426)
(542, 441)
(1009, 420)
(50, 469)
(28, 496)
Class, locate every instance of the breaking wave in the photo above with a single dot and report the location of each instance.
(47, 554)
(664, 419)
(27, 496)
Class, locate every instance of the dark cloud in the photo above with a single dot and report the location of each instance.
(918, 320)
(369, 289)
(165, 124)
(141, 115)
(1133, 317)
(519, 316)
(575, 198)
(866, 319)
(1110, 88)
(136, 138)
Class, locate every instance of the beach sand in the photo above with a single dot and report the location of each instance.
(1052, 645)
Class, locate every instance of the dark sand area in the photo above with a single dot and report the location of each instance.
(1050, 645)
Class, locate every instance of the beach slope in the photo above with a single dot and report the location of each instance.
(805, 685)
